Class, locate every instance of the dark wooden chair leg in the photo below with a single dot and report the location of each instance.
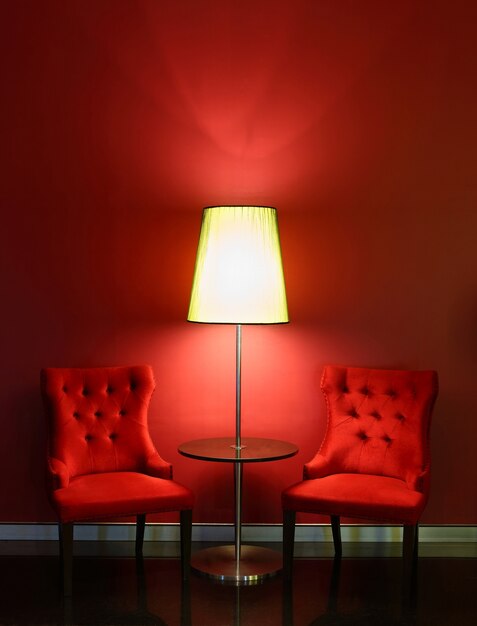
(289, 518)
(66, 556)
(186, 542)
(410, 548)
(336, 530)
(140, 527)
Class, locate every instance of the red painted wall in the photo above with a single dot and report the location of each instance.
(121, 120)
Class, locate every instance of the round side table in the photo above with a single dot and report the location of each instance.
(239, 564)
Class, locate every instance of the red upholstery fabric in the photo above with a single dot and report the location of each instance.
(374, 459)
(112, 494)
(102, 461)
(357, 495)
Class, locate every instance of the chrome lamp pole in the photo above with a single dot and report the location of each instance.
(238, 467)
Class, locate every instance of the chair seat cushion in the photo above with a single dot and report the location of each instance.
(112, 494)
(356, 495)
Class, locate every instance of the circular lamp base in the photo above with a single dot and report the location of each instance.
(219, 563)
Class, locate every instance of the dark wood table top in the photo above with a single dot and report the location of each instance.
(254, 450)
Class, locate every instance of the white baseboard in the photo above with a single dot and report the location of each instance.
(250, 532)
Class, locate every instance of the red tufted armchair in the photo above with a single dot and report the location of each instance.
(374, 460)
(101, 460)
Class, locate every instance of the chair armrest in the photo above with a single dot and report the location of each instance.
(157, 467)
(318, 467)
(58, 475)
(419, 482)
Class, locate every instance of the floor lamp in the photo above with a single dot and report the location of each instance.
(238, 280)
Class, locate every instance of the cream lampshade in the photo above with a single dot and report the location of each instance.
(238, 275)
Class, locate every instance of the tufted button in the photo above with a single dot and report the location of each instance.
(363, 436)
(65, 388)
(88, 437)
(345, 389)
(122, 412)
(400, 417)
(387, 439)
(113, 436)
(392, 394)
(98, 414)
(85, 392)
(109, 389)
(76, 415)
(365, 391)
(133, 385)
(376, 415)
(353, 413)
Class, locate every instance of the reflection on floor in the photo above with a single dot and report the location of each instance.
(117, 590)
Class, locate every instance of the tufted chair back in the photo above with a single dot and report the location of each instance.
(98, 417)
(378, 422)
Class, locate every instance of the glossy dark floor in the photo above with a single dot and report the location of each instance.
(361, 591)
